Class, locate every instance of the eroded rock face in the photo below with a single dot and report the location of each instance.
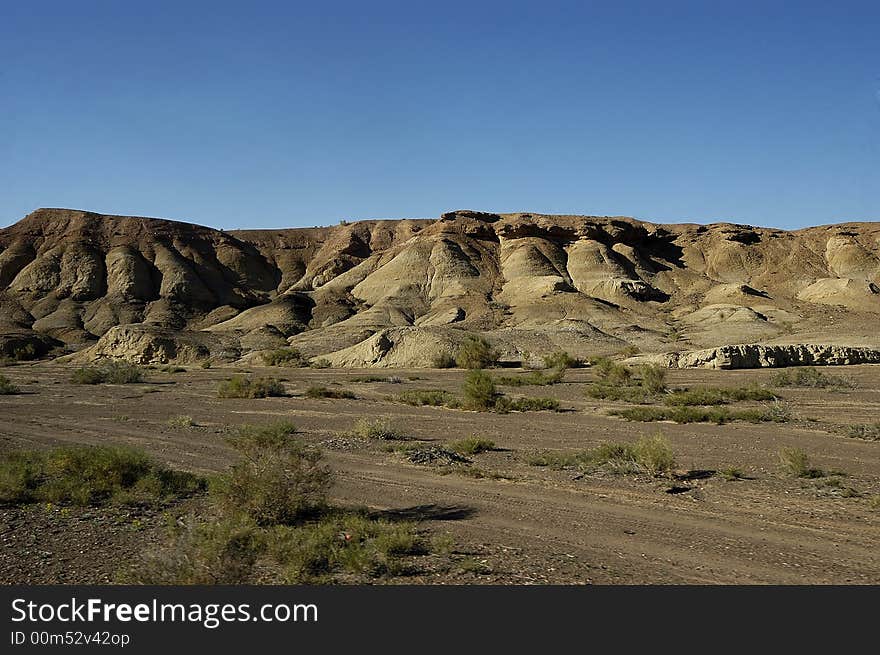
(775, 356)
(147, 344)
(75, 276)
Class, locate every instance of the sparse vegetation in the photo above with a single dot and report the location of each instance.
(284, 357)
(380, 428)
(7, 388)
(653, 378)
(239, 386)
(90, 475)
(717, 395)
(866, 431)
(270, 513)
(479, 390)
(181, 421)
(610, 372)
(111, 372)
(810, 378)
(776, 413)
(636, 395)
(326, 392)
(421, 397)
(503, 404)
(443, 360)
(559, 360)
(472, 446)
(732, 473)
(649, 455)
(321, 362)
(796, 462)
(279, 480)
(533, 378)
(476, 353)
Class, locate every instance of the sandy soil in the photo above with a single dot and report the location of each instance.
(533, 525)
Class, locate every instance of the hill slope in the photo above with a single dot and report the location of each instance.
(531, 282)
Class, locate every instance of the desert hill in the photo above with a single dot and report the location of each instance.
(397, 292)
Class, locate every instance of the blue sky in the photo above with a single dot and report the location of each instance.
(273, 114)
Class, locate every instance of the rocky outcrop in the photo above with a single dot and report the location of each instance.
(774, 356)
(149, 344)
(74, 276)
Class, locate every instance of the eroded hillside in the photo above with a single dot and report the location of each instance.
(398, 292)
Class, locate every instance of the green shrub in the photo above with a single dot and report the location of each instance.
(559, 360)
(717, 396)
(223, 550)
(777, 413)
(279, 480)
(379, 428)
(181, 422)
(865, 431)
(321, 362)
(318, 391)
(797, 463)
(622, 393)
(479, 390)
(111, 372)
(534, 378)
(476, 353)
(443, 360)
(239, 386)
(284, 357)
(7, 388)
(809, 377)
(432, 397)
(649, 455)
(90, 475)
(653, 378)
(24, 353)
(611, 372)
(504, 404)
(472, 446)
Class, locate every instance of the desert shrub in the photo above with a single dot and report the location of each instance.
(206, 364)
(348, 542)
(649, 455)
(504, 404)
(653, 378)
(318, 391)
(472, 446)
(479, 390)
(379, 428)
(320, 362)
(443, 360)
(864, 431)
(628, 351)
(777, 413)
(239, 386)
(559, 360)
(796, 462)
(534, 378)
(636, 395)
(223, 550)
(611, 372)
(717, 395)
(25, 352)
(476, 353)
(181, 421)
(279, 479)
(283, 357)
(112, 372)
(7, 387)
(809, 377)
(732, 473)
(90, 475)
(432, 397)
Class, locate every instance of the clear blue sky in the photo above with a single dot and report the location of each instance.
(270, 114)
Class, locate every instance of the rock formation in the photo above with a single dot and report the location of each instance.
(384, 293)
